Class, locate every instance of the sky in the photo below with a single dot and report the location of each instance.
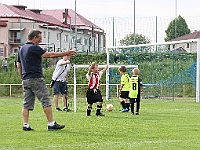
(96, 10)
(92, 9)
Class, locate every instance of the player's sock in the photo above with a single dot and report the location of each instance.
(89, 111)
(132, 108)
(51, 123)
(127, 105)
(26, 125)
(98, 109)
(123, 105)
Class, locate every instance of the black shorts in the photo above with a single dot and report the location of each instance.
(134, 100)
(124, 94)
(93, 97)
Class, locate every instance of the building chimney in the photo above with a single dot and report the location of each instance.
(20, 7)
(37, 11)
(65, 14)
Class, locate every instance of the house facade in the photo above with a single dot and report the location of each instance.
(190, 47)
(59, 29)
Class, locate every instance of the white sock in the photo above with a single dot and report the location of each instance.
(26, 125)
(51, 123)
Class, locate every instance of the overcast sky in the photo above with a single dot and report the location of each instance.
(95, 10)
(92, 9)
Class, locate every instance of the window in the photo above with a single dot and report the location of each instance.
(79, 40)
(73, 39)
(15, 50)
(44, 34)
(1, 51)
(188, 45)
(65, 38)
(58, 36)
(90, 41)
(84, 41)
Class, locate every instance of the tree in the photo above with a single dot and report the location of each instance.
(181, 29)
(139, 39)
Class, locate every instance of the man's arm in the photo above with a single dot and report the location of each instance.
(19, 68)
(59, 54)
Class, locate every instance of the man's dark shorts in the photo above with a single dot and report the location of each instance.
(93, 97)
(60, 87)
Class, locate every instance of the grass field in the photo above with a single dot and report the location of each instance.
(161, 125)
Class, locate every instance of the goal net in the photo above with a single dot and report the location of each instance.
(169, 70)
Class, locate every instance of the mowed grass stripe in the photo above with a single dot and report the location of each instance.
(162, 124)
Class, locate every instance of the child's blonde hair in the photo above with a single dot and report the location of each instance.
(93, 64)
(136, 71)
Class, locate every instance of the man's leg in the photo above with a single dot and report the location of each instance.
(48, 113)
(64, 99)
(55, 98)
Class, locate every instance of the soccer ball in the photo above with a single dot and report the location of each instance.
(109, 107)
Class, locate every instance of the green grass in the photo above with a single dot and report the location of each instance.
(161, 125)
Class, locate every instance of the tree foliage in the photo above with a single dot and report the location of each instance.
(181, 29)
(139, 39)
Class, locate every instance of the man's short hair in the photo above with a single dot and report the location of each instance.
(32, 33)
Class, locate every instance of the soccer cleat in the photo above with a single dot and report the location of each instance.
(55, 127)
(132, 113)
(27, 128)
(66, 109)
(101, 114)
(58, 109)
(124, 110)
(136, 113)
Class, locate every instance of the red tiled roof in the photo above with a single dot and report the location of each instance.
(8, 11)
(80, 20)
(194, 35)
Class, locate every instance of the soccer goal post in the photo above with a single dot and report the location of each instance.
(157, 57)
(173, 48)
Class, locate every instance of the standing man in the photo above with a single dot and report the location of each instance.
(60, 76)
(29, 66)
(5, 65)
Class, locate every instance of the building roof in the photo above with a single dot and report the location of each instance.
(52, 17)
(9, 11)
(80, 20)
(193, 35)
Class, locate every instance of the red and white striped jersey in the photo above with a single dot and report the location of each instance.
(94, 80)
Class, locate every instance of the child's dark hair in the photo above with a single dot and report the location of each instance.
(122, 69)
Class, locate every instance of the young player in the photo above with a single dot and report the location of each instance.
(93, 94)
(124, 89)
(134, 92)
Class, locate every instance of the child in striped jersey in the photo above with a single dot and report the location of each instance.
(93, 94)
